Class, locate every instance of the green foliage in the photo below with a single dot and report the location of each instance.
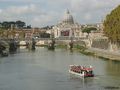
(87, 53)
(79, 47)
(5, 25)
(112, 25)
(83, 50)
(44, 35)
(20, 24)
(61, 46)
(47, 27)
(88, 29)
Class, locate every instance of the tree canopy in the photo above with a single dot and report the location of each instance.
(20, 24)
(89, 29)
(5, 25)
(112, 25)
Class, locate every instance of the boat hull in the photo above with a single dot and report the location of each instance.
(77, 74)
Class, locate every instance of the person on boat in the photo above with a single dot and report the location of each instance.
(90, 66)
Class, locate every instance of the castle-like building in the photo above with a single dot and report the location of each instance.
(67, 28)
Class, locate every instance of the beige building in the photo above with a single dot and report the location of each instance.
(67, 28)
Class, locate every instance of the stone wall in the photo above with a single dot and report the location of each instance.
(100, 43)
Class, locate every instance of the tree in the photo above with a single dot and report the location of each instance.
(5, 25)
(112, 25)
(88, 30)
(28, 27)
(20, 24)
(44, 35)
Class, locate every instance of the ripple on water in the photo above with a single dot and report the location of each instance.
(111, 87)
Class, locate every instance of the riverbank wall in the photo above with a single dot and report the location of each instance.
(105, 54)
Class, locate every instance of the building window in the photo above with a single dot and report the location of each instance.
(65, 33)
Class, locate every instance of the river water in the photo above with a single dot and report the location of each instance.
(48, 70)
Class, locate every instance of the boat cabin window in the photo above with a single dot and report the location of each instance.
(90, 72)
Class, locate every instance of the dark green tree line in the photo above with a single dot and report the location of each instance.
(5, 25)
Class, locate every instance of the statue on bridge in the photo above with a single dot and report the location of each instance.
(51, 45)
(71, 45)
(12, 46)
(31, 44)
(4, 48)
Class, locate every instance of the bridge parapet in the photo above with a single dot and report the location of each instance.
(45, 41)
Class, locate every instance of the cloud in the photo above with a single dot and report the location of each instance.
(23, 12)
(93, 4)
(88, 16)
(21, 9)
(47, 12)
(40, 20)
(0, 10)
(92, 11)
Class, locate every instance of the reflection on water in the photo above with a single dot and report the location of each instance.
(113, 68)
(48, 70)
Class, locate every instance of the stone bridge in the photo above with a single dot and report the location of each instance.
(45, 41)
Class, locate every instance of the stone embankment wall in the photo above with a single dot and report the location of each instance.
(102, 48)
(100, 43)
(106, 54)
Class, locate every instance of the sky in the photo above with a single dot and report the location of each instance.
(39, 13)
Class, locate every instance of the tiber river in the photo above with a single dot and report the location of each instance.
(48, 70)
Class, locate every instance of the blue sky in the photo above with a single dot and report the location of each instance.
(40, 13)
